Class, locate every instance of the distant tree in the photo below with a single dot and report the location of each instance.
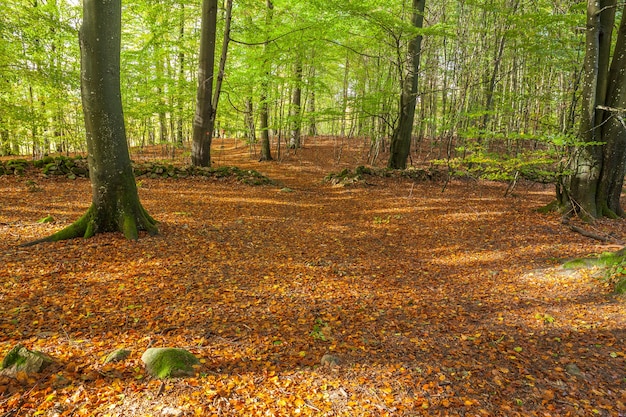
(597, 165)
(266, 152)
(401, 138)
(115, 202)
(295, 110)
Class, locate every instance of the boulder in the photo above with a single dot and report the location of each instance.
(169, 362)
(20, 359)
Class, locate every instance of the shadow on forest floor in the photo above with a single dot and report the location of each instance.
(435, 303)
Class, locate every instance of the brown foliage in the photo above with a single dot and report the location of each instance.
(432, 303)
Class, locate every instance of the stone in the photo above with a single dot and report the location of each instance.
(330, 361)
(574, 370)
(20, 359)
(169, 362)
(117, 355)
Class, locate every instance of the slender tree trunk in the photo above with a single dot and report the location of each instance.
(401, 138)
(295, 110)
(266, 152)
(204, 119)
(312, 129)
(344, 95)
(249, 121)
(115, 202)
(223, 57)
(181, 77)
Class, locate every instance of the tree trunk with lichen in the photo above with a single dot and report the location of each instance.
(594, 186)
(115, 202)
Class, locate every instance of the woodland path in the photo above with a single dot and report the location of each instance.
(436, 303)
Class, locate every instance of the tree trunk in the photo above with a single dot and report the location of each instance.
(581, 193)
(249, 121)
(204, 120)
(181, 77)
(296, 103)
(266, 152)
(614, 132)
(115, 203)
(401, 138)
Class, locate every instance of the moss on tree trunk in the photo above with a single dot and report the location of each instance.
(115, 202)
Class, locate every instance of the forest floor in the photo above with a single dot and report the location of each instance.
(435, 303)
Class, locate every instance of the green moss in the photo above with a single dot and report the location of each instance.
(549, 208)
(20, 359)
(117, 355)
(13, 358)
(169, 362)
(604, 260)
(620, 286)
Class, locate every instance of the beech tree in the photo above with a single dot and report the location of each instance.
(401, 138)
(204, 119)
(597, 165)
(207, 97)
(115, 202)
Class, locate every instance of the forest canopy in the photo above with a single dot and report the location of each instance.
(504, 71)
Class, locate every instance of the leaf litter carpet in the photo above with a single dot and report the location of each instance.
(428, 303)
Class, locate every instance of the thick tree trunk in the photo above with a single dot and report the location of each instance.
(614, 132)
(204, 120)
(115, 202)
(581, 192)
(401, 138)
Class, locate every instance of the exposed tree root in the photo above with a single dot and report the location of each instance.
(596, 236)
(129, 222)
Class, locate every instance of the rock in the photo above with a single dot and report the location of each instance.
(117, 355)
(20, 359)
(574, 370)
(169, 362)
(330, 361)
(171, 411)
(286, 190)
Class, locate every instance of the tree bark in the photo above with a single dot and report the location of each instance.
(614, 132)
(401, 138)
(115, 202)
(581, 193)
(295, 110)
(204, 119)
(266, 152)
(249, 121)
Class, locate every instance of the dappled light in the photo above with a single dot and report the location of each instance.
(446, 303)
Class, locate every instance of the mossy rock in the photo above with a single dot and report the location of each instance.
(17, 163)
(117, 355)
(20, 359)
(604, 260)
(48, 168)
(169, 362)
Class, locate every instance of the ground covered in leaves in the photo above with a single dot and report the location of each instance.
(426, 303)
